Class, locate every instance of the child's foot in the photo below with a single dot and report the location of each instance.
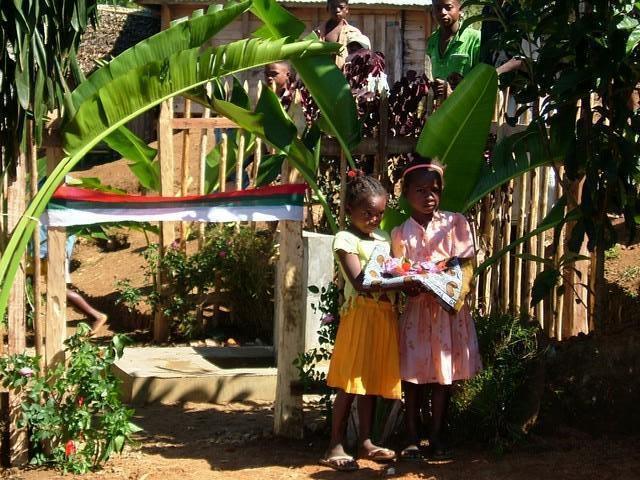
(439, 452)
(411, 453)
(338, 459)
(99, 322)
(369, 451)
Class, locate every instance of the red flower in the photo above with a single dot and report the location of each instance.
(80, 401)
(406, 266)
(70, 448)
(351, 174)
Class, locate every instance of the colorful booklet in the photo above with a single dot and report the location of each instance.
(444, 279)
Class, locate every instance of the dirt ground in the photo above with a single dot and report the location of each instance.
(195, 441)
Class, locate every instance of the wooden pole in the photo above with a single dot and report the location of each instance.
(343, 190)
(240, 159)
(56, 322)
(38, 326)
(204, 140)
(288, 412)
(380, 168)
(222, 176)
(540, 252)
(523, 190)
(16, 312)
(167, 170)
(184, 172)
(554, 328)
(533, 267)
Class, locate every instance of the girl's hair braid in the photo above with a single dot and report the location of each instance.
(361, 186)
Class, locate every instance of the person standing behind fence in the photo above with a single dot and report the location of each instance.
(337, 28)
(365, 362)
(451, 53)
(437, 346)
(73, 297)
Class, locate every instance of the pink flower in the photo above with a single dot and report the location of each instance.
(26, 372)
(80, 401)
(327, 318)
(70, 448)
(222, 254)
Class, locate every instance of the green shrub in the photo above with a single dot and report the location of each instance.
(73, 412)
(492, 406)
(238, 262)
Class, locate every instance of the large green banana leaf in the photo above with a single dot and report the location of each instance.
(457, 134)
(523, 151)
(325, 82)
(188, 33)
(270, 122)
(131, 94)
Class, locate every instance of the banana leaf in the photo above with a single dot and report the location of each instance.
(131, 94)
(189, 33)
(144, 164)
(457, 134)
(183, 35)
(271, 123)
(325, 82)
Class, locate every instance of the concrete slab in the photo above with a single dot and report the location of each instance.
(198, 374)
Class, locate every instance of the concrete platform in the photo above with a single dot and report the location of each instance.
(198, 374)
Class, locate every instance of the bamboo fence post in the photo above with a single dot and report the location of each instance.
(518, 264)
(223, 162)
(204, 140)
(555, 329)
(380, 169)
(496, 243)
(184, 171)
(38, 324)
(240, 159)
(16, 313)
(343, 190)
(544, 203)
(532, 270)
(505, 264)
(486, 224)
(507, 202)
(3, 233)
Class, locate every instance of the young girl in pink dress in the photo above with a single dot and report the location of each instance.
(437, 346)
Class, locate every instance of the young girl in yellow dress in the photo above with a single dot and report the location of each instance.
(365, 361)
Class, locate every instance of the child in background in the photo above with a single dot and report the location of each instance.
(365, 361)
(437, 346)
(337, 29)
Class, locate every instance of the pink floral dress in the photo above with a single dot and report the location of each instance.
(436, 346)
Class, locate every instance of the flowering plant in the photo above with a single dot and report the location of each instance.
(73, 412)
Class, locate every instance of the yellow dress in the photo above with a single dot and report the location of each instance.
(365, 359)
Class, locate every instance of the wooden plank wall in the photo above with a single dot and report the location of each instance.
(399, 34)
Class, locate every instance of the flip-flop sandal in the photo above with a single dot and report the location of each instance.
(348, 463)
(440, 454)
(411, 454)
(380, 455)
